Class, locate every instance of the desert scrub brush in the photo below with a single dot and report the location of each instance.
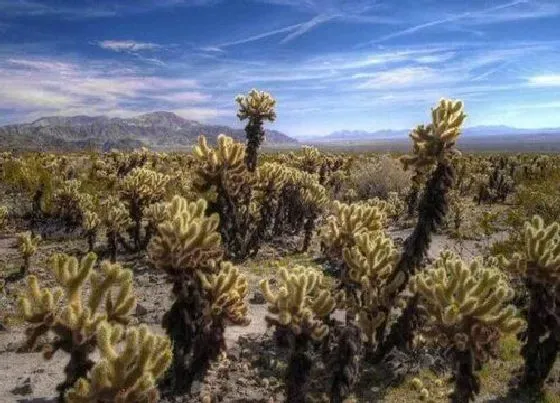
(301, 305)
(539, 265)
(468, 311)
(257, 106)
(207, 291)
(128, 370)
(70, 315)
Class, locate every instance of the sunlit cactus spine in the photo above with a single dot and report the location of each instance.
(300, 306)
(257, 106)
(115, 218)
(539, 265)
(468, 311)
(72, 317)
(208, 292)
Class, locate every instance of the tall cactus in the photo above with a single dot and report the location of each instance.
(433, 145)
(539, 266)
(256, 106)
(207, 290)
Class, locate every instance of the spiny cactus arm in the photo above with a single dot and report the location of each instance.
(72, 274)
(301, 303)
(28, 244)
(38, 307)
(90, 220)
(186, 240)
(228, 290)
(126, 375)
(113, 275)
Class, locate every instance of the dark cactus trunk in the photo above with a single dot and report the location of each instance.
(112, 245)
(467, 384)
(255, 135)
(347, 365)
(431, 214)
(540, 354)
(78, 367)
(298, 370)
(308, 228)
(196, 339)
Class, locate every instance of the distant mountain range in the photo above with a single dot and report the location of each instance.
(475, 133)
(158, 130)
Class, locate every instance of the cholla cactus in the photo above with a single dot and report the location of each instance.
(115, 218)
(140, 188)
(73, 318)
(257, 106)
(314, 198)
(207, 291)
(3, 217)
(433, 144)
(539, 266)
(27, 245)
(128, 374)
(346, 222)
(69, 203)
(468, 312)
(301, 305)
(90, 224)
(230, 188)
(366, 296)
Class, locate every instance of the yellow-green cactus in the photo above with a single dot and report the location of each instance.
(436, 142)
(539, 266)
(27, 245)
(115, 218)
(300, 307)
(346, 222)
(302, 303)
(369, 265)
(467, 307)
(540, 261)
(187, 239)
(227, 290)
(257, 106)
(90, 224)
(466, 301)
(70, 315)
(127, 374)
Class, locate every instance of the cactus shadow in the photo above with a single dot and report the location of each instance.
(38, 400)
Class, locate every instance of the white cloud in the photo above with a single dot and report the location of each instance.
(400, 78)
(202, 114)
(548, 80)
(127, 46)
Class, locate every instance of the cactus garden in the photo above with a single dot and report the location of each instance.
(235, 273)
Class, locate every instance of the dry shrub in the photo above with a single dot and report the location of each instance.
(379, 177)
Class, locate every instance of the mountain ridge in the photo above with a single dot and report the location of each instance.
(159, 129)
(388, 134)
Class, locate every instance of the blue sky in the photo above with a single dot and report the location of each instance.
(331, 64)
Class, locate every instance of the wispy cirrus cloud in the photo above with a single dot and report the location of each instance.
(546, 80)
(127, 46)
